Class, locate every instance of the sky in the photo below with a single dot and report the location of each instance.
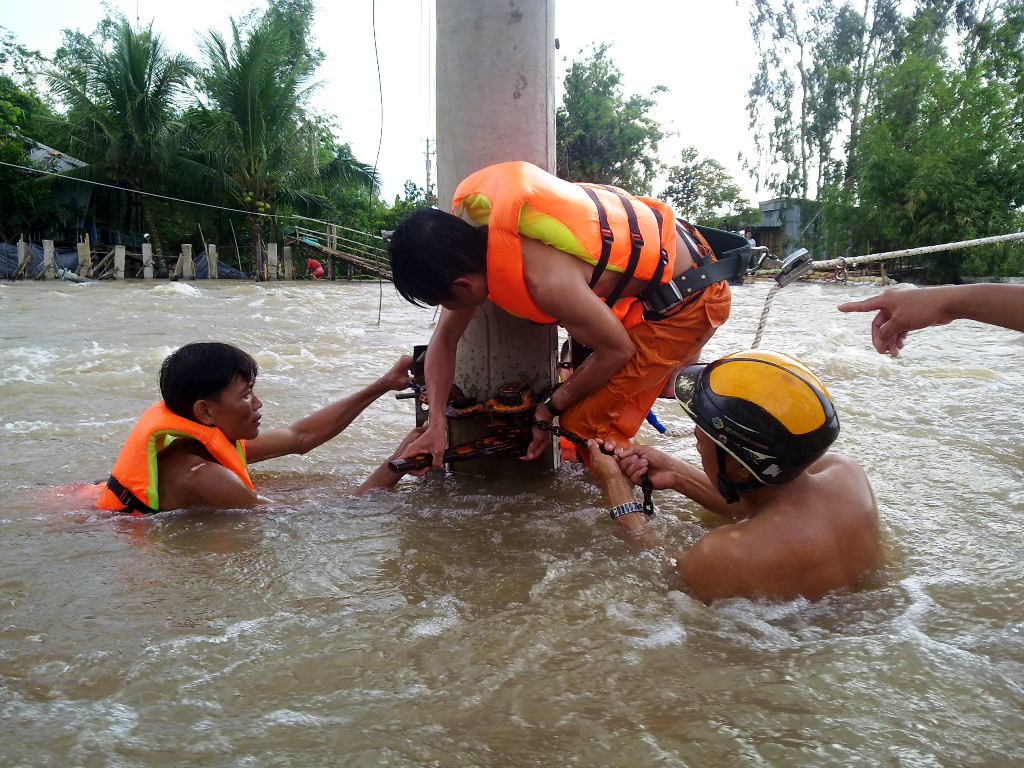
(701, 50)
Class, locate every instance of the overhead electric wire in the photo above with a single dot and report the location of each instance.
(380, 143)
(154, 194)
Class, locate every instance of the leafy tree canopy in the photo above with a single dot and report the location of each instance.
(603, 136)
(701, 190)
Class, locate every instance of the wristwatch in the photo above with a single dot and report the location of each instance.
(546, 402)
(625, 509)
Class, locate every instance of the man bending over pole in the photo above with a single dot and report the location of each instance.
(623, 277)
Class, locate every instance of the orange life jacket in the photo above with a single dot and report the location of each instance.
(135, 470)
(604, 226)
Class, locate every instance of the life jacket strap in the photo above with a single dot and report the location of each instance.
(695, 254)
(636, 243)
(129, 499)
(659, 271)
(607, 237)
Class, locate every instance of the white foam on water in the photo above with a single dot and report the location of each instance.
(271, 361)
(179, 288)
(24, 374)
(648, 633)
(448, 617)
(33, 356)
(26, 427)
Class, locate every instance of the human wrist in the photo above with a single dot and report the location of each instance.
(548, 404)
(543, 413)
(619, 491)
(632, 520)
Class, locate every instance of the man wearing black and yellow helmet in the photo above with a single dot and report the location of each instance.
(805, 522)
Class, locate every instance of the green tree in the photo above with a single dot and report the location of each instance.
(251, 126)
(121, 117)
(18, 63)
(816, 76)
(701, 190)
(25, 199)
(601, 135)
(941, 156)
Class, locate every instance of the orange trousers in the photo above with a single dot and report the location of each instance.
(616, 410)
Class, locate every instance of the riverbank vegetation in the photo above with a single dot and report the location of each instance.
(904, 128)
(876, 125)
(231, 128)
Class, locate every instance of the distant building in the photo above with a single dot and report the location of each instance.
(785, 223)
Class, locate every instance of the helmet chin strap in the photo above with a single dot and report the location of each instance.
(729, 489)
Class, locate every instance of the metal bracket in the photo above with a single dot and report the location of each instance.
(796, 265)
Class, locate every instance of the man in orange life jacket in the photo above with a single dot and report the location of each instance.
(193, 448)
(618, 272)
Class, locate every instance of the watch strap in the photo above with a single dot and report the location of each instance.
(625, 509)
(546, 401)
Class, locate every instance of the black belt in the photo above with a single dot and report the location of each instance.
(673, 294)
(129, 499)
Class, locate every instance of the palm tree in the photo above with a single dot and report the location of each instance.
(251, 126)
(121, 114)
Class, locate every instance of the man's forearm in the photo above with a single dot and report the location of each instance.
(992, 303)
(695, 484)
(439, 372)
(327, 423)
(589, 377)
(381, 477)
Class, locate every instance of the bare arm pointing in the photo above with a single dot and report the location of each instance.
(901, 310)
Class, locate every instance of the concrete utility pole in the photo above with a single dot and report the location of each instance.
(496, 102)
(430, 196)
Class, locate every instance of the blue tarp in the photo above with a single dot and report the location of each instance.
(68, 258)
(62, 257)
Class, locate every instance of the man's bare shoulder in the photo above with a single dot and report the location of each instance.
(175, 465)
(838, 463)
(836, 476)
(819, 533)
(190, 477)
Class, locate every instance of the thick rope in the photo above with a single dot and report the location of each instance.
(844, 263)
(764, 315)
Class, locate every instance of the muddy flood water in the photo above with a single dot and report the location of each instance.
(454, 622)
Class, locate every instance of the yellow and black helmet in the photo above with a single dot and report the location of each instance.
(767, 410)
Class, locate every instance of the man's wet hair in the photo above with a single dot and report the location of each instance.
(430, 250)
(201, 371)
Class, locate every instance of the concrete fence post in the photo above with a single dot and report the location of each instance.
(272, 261)
(147, 261)
(48, 260)
(211, 262)
(119, 262)
(188, 269)
(85, 257)
(289, 265)
(22, 255)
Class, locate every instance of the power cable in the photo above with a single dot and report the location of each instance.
(380, 143)
(150, 194)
